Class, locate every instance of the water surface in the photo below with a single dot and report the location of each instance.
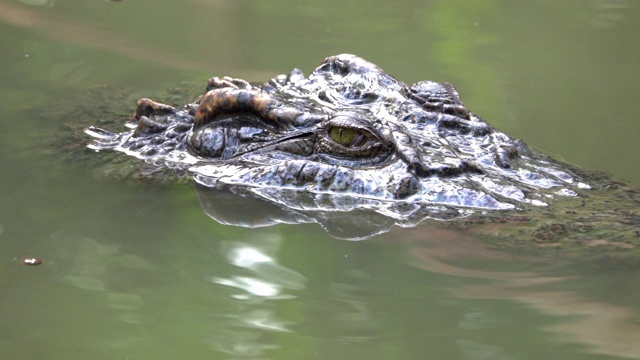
(135, 270)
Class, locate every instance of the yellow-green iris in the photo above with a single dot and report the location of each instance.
(343, 136)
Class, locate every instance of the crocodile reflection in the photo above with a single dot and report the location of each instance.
(343, 217)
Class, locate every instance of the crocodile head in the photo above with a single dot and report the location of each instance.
(348, 129)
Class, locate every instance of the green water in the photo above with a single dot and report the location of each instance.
(139, 271)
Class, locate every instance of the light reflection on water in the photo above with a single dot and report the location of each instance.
(270, 278)
(259, 281)
(408, 292)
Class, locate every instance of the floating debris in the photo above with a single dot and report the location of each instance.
(31, 261)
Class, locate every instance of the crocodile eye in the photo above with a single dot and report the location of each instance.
(346, 136)
(352, 139)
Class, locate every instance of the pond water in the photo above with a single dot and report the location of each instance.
(136, 270)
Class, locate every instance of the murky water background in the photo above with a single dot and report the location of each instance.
(138, 271)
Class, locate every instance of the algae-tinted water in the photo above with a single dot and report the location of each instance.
(136, 270)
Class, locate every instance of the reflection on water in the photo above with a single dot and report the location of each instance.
(609, 13)
(92, 261)
(342, 216)
(38, 2)
(270, 280)
(97, 268)
(257, 280)
(283, 291)
(605, 328)
(86, 290)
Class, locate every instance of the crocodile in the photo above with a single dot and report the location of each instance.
(348, 128)
(350, 136)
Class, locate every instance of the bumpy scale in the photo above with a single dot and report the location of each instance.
(349, 129)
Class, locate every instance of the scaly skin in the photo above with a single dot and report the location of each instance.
(350, 129)
(350, 139)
